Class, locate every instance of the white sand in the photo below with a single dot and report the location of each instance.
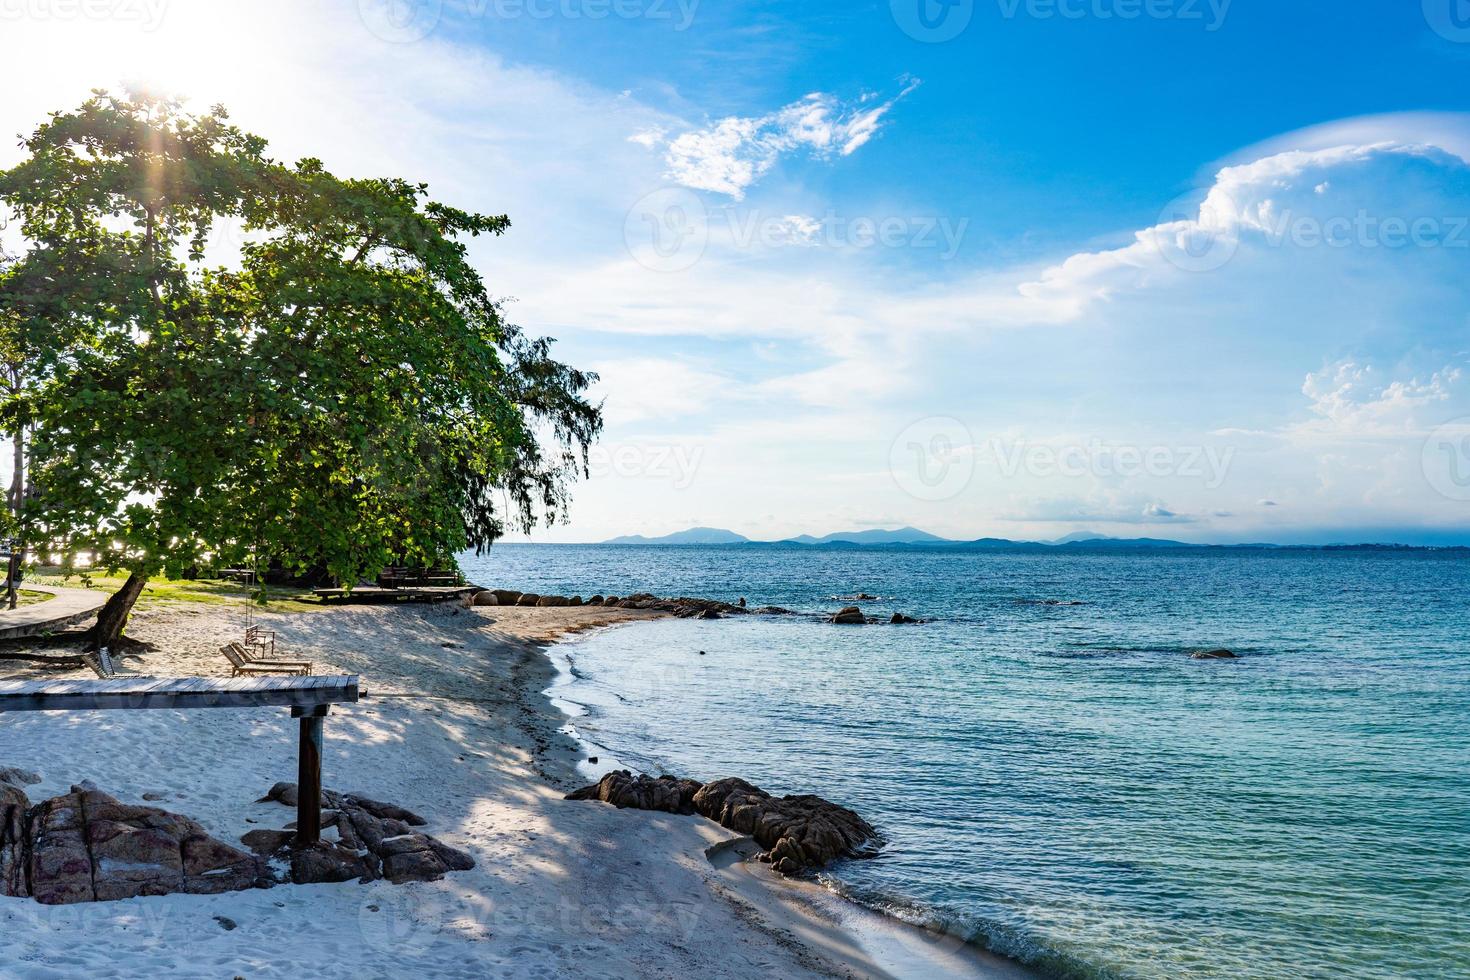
(457, 729)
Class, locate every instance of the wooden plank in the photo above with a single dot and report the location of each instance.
(177, 692)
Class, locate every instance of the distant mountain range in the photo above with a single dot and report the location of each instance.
(695, 535)
(911, 536)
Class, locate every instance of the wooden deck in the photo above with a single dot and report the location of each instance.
(178, 692)
(309, 698)
(71, 606)
(375, 595)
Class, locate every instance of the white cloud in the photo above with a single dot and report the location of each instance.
(637, 389)
(731, 155)
(1352, 400)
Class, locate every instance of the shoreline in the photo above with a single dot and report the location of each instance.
(457, 727)
(861, 936)
(449, 731)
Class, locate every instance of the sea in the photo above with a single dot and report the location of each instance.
(1057, 779)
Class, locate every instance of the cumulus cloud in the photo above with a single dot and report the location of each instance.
(731, 155)
(1351, 399)
(1248, 204)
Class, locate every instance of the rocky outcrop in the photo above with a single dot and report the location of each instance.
(629, 792)
(686, 607)
(375, 840)
(1220, 654)
(850, 616)
(286, 794)
(14, 806)
(799, 833)
(486, 599)
(899, 619)
(86, 846)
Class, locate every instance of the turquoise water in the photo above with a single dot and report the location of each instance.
(1062, 783)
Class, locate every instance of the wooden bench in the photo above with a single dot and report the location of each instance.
(309, 699)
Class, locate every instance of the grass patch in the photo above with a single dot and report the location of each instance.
(207, 591)
(27, 598)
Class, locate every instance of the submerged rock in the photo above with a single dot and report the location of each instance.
(1220, 654)
(900, 619)
(18, 777)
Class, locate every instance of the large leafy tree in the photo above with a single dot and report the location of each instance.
(339, 389)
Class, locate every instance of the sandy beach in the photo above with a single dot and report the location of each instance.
(456, 727)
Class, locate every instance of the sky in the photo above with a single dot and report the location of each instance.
(1196, 269)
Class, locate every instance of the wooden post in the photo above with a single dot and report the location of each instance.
(309, 776)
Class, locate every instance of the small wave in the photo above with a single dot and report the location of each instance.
(954, 931)
(1052, 602)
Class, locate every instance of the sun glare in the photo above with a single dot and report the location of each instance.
(205, 53)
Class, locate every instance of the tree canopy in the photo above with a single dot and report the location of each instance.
(334, 388)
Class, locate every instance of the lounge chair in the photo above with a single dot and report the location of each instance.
(250, 657)
(101, 663)
(242, 666)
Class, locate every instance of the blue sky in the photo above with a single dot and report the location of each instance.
(1163, 267)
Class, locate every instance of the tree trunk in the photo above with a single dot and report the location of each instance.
(17, 499)
(114, 616)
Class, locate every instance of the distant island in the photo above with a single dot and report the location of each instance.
(913, 537)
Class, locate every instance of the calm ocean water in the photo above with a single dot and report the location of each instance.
(1062, 783)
